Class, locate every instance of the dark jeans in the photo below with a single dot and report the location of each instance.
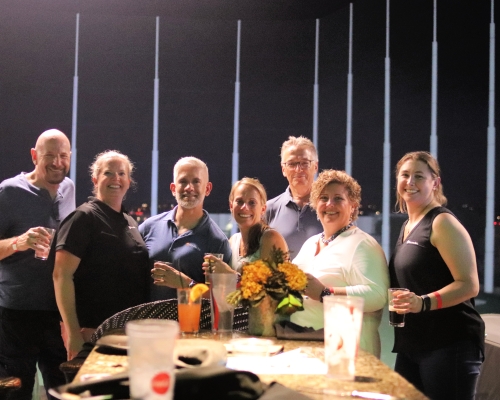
(447, 373)
(28, 337)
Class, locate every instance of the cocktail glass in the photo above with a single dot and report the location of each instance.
(222, 312)
(188, 310)
(220, 256)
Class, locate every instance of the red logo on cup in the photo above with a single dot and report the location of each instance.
(161, 383)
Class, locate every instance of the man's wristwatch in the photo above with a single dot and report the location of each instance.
(325, 292)
(14, 245)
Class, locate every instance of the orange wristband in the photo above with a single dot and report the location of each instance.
(439, 300)
(331, 290)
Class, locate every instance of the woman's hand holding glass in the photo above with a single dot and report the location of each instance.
(214, 265)
(407, 302)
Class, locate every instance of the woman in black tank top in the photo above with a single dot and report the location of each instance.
(440, 348)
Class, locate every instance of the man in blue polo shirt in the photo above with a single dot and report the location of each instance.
(290, 213)
(183, 235)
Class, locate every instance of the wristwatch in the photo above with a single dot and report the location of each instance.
(325, 292)
(14, 245)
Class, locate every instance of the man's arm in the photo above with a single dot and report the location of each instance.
(28, 240)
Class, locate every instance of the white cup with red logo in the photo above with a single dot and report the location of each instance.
(151, 358)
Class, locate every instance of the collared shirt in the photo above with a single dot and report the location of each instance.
(184, 251)
(113, 273)
(295, 224)
(25, 281)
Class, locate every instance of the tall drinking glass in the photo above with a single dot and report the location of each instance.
(188, 310)
(222, 311)
(220, 256)
(151, 358)
(343, 319)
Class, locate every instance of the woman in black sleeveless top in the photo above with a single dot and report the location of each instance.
(440, 348)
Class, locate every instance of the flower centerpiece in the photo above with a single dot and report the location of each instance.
(272, 289)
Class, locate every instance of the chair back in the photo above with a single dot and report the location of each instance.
(164, 309)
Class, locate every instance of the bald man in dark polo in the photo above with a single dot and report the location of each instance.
(30, 332)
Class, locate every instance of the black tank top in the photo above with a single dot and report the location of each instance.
(417, 265)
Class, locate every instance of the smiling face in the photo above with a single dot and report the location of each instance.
(300, 176)
(112, 181)
(51, 157)
(334, 208)
(247, 206)
(416, 184)
(190, 186)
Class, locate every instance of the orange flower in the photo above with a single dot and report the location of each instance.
(275, 277)
(296, 278)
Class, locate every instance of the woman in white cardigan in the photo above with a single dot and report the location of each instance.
(342, 260)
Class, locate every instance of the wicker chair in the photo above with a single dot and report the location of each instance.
(161, 309)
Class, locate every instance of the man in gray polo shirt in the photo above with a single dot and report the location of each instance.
(30, 332)
(290, 213)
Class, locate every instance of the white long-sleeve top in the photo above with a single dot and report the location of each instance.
(353, 260)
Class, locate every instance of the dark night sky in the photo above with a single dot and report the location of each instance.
(197, 73)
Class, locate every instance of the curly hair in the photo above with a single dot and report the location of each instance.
(330, 176)
(434, 169)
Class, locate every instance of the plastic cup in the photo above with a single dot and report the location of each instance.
(188, 311)
(222, 313)
(151, 358)
(395, 319)
(343, 319)
(42, 252)
(220, 256)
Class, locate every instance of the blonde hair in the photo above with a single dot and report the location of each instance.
(330, 176)
(96, 167)
(255, 183)
(433, 166)
(300, 141)
(256, 231)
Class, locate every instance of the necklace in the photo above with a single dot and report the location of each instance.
(332, 238)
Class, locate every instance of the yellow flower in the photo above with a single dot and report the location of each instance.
(274, 277)
(296, 278)
(253, 278)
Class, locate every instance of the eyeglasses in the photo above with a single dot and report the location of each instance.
(292, 165)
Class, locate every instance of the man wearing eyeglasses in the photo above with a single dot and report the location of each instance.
(290, 213)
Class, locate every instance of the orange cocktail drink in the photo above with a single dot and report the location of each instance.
(189, 308)
(189, 317)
